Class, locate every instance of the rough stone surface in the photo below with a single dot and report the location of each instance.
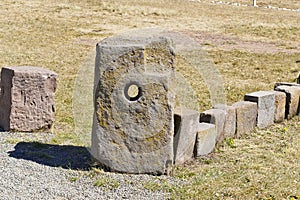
(280, 99)
(265, 107)
(292, 105)
(286, 84)
(186, 123)
(27, 98)
(133, 120)
(230, 120)
(217, 117)
(246, 114)
(206, 139)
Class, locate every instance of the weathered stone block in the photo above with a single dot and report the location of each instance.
(186, 123)
(292, 105)
(230, 120)
(27, 98)
(217, 117)
(133, 122)
(206, 139)
(280, 100)
(265, 107)
(246, 114)
(286, 84)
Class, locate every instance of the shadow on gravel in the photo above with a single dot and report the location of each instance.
(65, 156)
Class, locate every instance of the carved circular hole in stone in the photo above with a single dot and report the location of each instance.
(133, 91)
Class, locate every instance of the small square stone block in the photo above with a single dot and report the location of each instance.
(230, 119)
(27, 98)
(217, 117)
(280, 99)
(186, 123)
(206, 139)
(265, 107)
(246, 114)
(292, 99)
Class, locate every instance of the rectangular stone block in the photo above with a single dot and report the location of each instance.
(246, 115)
(265, 107)
(133, 126)
(206, 139)
(280, 100)
(185, 129)
(292, 106)
(286, 84)
(217, 117)
(230, 120)
(27, 98)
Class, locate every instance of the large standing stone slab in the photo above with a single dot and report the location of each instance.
(292, 99)
(217, 117)
(230, 120)
(246, 114)
(133, 121)
(265, 107)
(206, 139)
(186, 123)
(280, 100)
(27, 98)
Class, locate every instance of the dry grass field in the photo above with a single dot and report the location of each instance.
(252, 47)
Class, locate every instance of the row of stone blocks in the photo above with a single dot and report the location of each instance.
(259, 109)
(136, 128)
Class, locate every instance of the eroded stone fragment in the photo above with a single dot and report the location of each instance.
(265, 107)
(186, 123)
(133, 121)
(217, 117)
(230, 120)
(246, 114)
(206, 139)
(27, 98)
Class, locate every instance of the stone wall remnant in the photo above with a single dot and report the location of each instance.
(27, 98)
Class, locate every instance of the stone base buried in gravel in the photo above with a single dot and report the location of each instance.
(246, 114)
(265, 107)
(186, 126)
(206, 139)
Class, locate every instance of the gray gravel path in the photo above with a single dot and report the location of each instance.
(31, 168)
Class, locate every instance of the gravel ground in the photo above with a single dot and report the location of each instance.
(31, 168)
